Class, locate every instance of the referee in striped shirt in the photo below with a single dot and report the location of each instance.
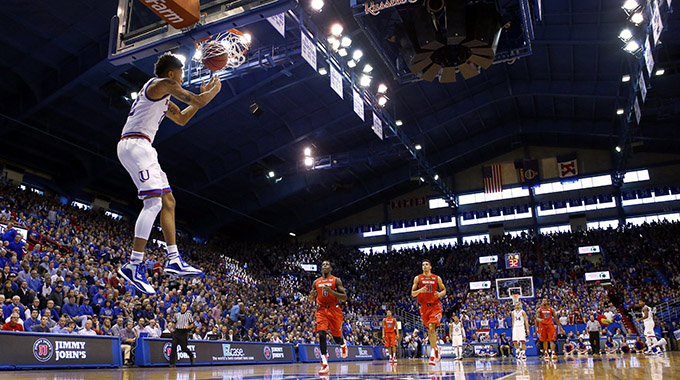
(184, 322)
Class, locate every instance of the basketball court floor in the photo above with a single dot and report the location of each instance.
(619, 367)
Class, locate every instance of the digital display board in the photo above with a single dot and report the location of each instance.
(589, 250)
(479, 285)
(513, 260)
(488, 259)
(309, 267)
(598, 276)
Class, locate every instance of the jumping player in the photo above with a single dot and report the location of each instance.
(141, 161)
(327, 292)
(520, 328)
(425, 287)
(546, 327)
(390, 335)
(648, 321)
(457, 336)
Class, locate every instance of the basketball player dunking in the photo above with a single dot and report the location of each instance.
(327, 292)
(546, 328)
(141, 161)
(425, 287)
(389, 326)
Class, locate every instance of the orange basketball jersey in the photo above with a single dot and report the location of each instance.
(546, 314)
(323, 297)
(431, 284)
(390, 325)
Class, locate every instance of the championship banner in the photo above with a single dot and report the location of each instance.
(567, 165)
(29, 350)
(156, 352)
(310, 353)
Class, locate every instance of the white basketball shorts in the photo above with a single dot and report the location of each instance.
(519, 335)
(456, 341)
(141, 161)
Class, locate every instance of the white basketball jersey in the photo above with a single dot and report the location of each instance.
(650, 314)
(457, 329)
(146, 113)
(518, 318)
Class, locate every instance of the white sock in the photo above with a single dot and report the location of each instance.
(136, 257)
(431, 352)
(324, 359)
(173, 253)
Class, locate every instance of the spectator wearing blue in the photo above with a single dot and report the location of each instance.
(235, 311)
(18, 246)
(35, 283)
(34, 320)
(53, 312)
(42, 327)
(61, 328)
(10, 232)
(85, 310)
(71, 309)
(16, 302)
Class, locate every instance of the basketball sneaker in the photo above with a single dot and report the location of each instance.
(324, 370)
(432, 361)
(553, 356)
(135, 275)
(546, 356)
(344, 351)
(179, 267)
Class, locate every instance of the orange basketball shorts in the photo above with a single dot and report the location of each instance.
(329, 318)
(390, 339)
(431, 314)
(547, 333)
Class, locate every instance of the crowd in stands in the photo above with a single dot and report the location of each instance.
(63, 279)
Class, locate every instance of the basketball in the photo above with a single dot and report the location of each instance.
(215, 56)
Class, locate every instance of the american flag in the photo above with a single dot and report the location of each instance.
(493, 180)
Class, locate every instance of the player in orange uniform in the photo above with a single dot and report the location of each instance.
(425, 287)
(546, 328)
(327, 292)
(390, 335)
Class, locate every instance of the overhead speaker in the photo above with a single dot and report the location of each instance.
(468, 70)
(448, 75)
(455, 22)
(431, 72)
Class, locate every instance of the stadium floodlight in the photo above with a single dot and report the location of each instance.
(133, 95)
(323, 71)
(368, 68)
(309, 161)
(382, 100)
(625, 78)
(418, 147)
(342, 52)
(351, 64)
(292, 234)
(619, 111)
(271, 174)
(382, 88)
(637, 18)
(317, 5)
(660, 72)
(346, 41)
(399, 123)
(632, 47)
(181, 58)
(625, 35)
(198, 55)
(618, 149)
(436, 177)
(331, 39)
(336, 30)
(630, 5)
(357, 54)
(364, 81)
(308, 152)
(336, 45)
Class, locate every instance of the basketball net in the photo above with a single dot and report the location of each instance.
(232, 43)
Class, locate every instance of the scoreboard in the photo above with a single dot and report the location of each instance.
(513, 260)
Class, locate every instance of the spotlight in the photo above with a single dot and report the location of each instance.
(351, 64)
(271, 174)
(382, 88)
(342, 52)
(292, 234)
(346, 42)
(382, 100)
(368, 68)
(625, 78)
(637, 18)
(133, 95)
(658, 73)
(198, 55)
(317, 5)
(422, 179)
(181, 58)
(357, 55)
(619, 111)
(399, 123)
(308, 152)
(364, 81)
(618, 149)
(335, 45)
(336, 30)
(323, 71)
(246, 39)
(630, 5)
(331, 39)
(436, 177)
(418, 147)
(309, 162)
(625, 35)
(632, 47)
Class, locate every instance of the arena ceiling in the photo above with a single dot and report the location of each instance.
(63, 110)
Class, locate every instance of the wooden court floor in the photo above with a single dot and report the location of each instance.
(619, 367)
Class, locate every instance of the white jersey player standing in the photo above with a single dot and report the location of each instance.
(457, 333)
(141, 161)
(520, 329)
(648, 322)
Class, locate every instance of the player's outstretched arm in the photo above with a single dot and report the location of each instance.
(182, 117)
(166, 86)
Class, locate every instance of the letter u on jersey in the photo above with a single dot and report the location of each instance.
(144, 175)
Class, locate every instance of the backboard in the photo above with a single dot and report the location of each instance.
(506, 287)
(137, 32)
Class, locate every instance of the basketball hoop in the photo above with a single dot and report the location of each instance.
(232, 45)
(515, 298)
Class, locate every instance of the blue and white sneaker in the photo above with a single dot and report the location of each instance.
(135, 275)
(179, 267)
